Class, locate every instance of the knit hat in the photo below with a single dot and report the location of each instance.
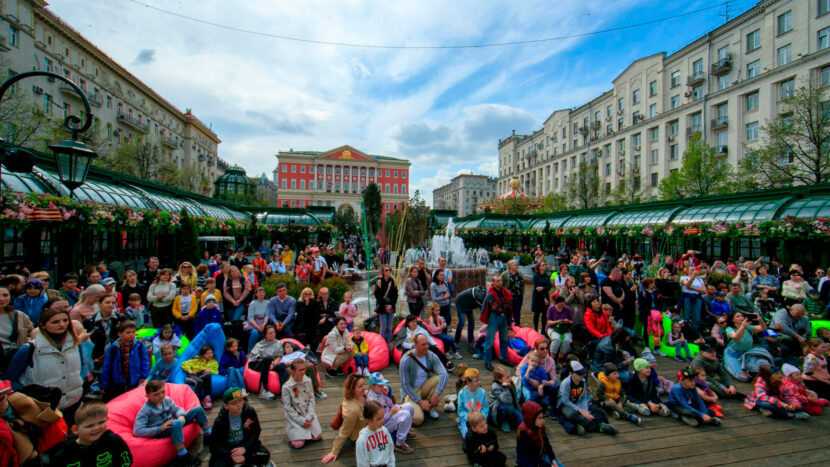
(232, 394)
(788, 369)
(609, 368)
(210, 297)
(577, 367)
(640, 363)
(34, 284)
(471, 373)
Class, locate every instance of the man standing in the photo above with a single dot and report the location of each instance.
(423, 379)
(424, 278)
(442, 266)
(238, 259)
(333, 266)
(495, 312)
(149, 273)
(612, 291)
(318, 266)
(281, 311)
(515, 283)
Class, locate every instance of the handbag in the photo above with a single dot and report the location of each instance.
(337, 421)
(372, 324)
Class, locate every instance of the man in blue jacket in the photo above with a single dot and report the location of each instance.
(126, 363)
(281, 311)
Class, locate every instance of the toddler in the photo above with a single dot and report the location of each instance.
(93, 443)
(768, 398)
(361, 353)
(136, 311)
(209, 314)
(516, 343)
(815, 308)
(532, 443)
(481, 444)
(373, 446)
(199, 371)
(533, 379)
(126, 363)
(232, 364)
(504, 405)
(685, 403)
(720, 306)
(437, 327)
(765, 305)
(611, 395)
(471, 398)
(397, 418)
(655, 331)
(706, 393)
(168, 336)
(160, 417)
(679, 342)
(348, 311)
(816, 376)
(797, 393)
(164, 365)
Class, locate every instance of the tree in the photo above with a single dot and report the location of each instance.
(629, 189)
(346, 220)
(796, 144)
(371, 202)
(139, 157)
(583, 188)
(702, 173)
(553, 202)
(22, 120)
(187, 238)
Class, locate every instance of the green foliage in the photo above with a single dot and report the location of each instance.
(525, 259)
(337, 287)
(346, 221)
(371, 202)
(583, 188)
(187, 242)
(702, 173)
(715, 277)
(553, 202)
(270, 283)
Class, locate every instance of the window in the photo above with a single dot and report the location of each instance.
(654, 180)
(752, 101)
(697, 93)
(723, 138)
(394, 187)
(723, 82)
(387, 175)
(652, 111)
(302, 184)
(285, 168)
(752, 131)
(47, 104)
(723, 110)
(753, 40)
(13, 36)
(753, 69)
(637, 139)
(675, 78)
(652, 88)
(620, 103)
(293, 184)
(607, 149)
(293, 203)
(723, 53)
(47, 64)
(674, 127)
(302, 169)
(653, 134)
(655, 156)
(675, 101)
(823, 6)
(635, 97)
(395, 174)
(109, 102)
(697, 68)
(293, 169)
(825, 75)
(386, 188)
(697, 119)
(673, 152)
(787, 88)
(608, 169)
(67, 109)
(785, 55)
(785, 22)
(823, 38)
(609, 111)
(619, 124)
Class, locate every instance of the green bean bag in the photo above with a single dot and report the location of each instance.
(817, 324)
(669, 349)
(148, 333)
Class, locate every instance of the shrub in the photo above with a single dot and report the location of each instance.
(270, 284)
(715, 277)
(337, 287)
(525, 259)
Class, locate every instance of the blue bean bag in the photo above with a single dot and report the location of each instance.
(213, 336)
(664, 344)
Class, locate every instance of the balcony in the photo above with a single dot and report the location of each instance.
(693, 130)
(40, 45)
(596, 125)
(95, 99)
(3, 46)
(636, 149)
(695, 79)
(723, 66)
(583, 130)
(720, 122)
(68, 90)
(133, 122)
(169, 142)
(721, 150)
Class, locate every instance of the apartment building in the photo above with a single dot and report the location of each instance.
(724, 87)
(124, 108)
(464, 192)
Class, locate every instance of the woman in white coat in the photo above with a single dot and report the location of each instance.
(301, 423)
(338, 350)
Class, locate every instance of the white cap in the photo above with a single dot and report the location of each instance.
(788, 369)
(210, 297)
(577, 367)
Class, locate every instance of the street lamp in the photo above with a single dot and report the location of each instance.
(72, 157)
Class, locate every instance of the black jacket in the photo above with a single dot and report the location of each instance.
(472, 442)
(638, 393)
(219, 445)
(98, 334)
(380, 290)
(108, 447)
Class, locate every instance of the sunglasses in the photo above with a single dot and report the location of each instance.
(542, 348)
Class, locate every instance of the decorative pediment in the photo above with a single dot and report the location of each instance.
(345, 153)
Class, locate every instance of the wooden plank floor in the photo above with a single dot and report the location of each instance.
(745, 438)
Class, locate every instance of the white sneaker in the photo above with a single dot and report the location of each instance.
(266, 395)
(366, 372)
(449, 407)
(457, 356)
(433, 414)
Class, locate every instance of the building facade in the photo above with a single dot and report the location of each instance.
(724, 87)
(124, 108)
(464, 192)
(337, 177)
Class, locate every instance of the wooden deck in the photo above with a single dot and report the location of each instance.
(744, 438)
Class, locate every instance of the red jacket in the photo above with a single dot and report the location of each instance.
(598, 325)
(492, 301)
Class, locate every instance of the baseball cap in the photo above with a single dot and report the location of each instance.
(769, 333)
(577, 367)
(108, 281)
(232, 394)
(377, 378)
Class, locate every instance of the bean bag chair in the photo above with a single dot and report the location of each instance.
(378, 352)
(213, 336)
(529, 335)
(664, 344)
(396, 352)
(815, 325)
(251, 377)
(150, 452)
(148, 333)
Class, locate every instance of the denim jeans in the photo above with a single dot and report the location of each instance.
(682, 345)
(361, 360)
(692, 304)
(464, 314)
(509, 414)
(778, 412)
(387, 321)
(517, 309)
(196, 414)
(235, 313)
(732, 363)
(253, 338)
(234, 376)
(449, 344)
(494, 324)
(446, 313)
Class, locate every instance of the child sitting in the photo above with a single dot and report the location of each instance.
(532, 444)
(823, 334)
(117, 377)
(611, 395)
(813, 304)
(503, 401)
(297, 393)
(93, 443)
(471, 398)
(767, 397)
(663, 385)
(655, 331)
(164, 365)
(706, 393)
(166, 336)
(236, 430)
(765, 305)
(575, 404)
(478, 344)
(437, 327)
(209, 314)
(798, 394)
(136, 311)
(679, 342)
(373, 443)
(397, 418)
(816, 376)
(348, 311)
(481, 444)
(685, 403)
(642, 390)
(160, 417)
(720, 306)
(361, 353)
(516, 343)
(534, 377)
(289, 355)
(199, 371)
(232, 364)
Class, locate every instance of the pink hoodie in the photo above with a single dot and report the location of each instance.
(655, 323)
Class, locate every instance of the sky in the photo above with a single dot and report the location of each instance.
(443, 109)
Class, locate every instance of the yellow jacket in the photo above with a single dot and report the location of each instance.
(177, 307)
(610, 390)
(216, 293)
(198, 365)
(362, 348)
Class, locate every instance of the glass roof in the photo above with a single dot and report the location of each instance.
(811, 206)
(289, 218)
(748, 211)
(468, 224)
(555, 222)
(634, 218)
(23, 182)
(110, 194)
(497, 223)
(588, 220)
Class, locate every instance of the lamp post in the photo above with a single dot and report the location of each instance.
(72, 157)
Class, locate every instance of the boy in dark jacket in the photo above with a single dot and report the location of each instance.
(642, 390)
(94, 444)
(235, 437)
(126, 363)
(481, 444)
(686, 404)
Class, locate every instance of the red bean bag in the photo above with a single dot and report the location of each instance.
(251, 377)
(150, 452)
(396, 352)
(378, 352)
(529, 335)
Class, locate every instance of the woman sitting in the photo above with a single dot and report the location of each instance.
(338, 350)
(264, 358)
(351, 410)
(404, 340)
(740, 332)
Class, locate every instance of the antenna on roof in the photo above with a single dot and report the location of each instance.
(725, 14)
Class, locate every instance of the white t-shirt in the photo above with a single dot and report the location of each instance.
(696, 283)
(375, 448)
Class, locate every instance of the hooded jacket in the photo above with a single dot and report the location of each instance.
(219, 445)
(498, 302)
(112, 373)
(531, 442)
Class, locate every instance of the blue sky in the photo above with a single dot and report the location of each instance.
(443, 109)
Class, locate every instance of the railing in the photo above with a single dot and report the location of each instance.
(695, 78)
(693, 130)
(720, 122)
(133, 122)
(723, 66)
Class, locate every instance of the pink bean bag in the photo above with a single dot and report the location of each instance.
(529, 335)
(378, 353)
(251, 377)
(396, 352)
(150, 452)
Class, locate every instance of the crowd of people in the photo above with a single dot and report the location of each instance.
(81, 343)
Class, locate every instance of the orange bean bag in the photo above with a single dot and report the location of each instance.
(150, 452)
(396, 352)
(251, 377)
(378, 352)
(529, 335)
